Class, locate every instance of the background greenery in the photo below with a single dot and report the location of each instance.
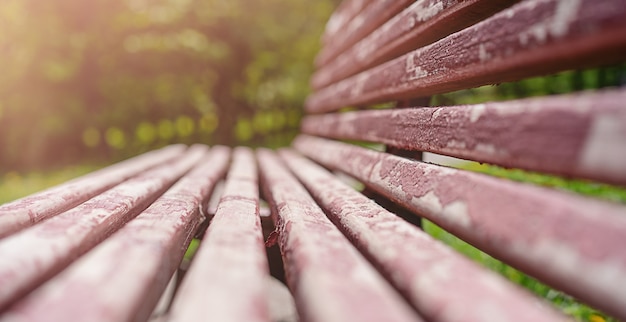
(103, 80)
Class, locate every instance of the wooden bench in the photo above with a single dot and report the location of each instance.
(104, 247)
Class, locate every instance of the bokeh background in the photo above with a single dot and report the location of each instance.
(84, 84)
(98, 81)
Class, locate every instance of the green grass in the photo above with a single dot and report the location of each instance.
(14, 185)
(561, 301)
(583, 187)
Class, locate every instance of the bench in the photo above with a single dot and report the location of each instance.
(110, 246)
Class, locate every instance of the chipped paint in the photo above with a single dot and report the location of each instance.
(604, 150)
(541, 37)
(483, 55)
(30, 210)
(505, 213)
(421, 268)
(227, 276)
(330, 280)
(477, 111)
(566, 14)
(412, 70)
(34, 255)
(447, 18)
(374, 15)
(578, 135)
(458, 213)
(425, 9)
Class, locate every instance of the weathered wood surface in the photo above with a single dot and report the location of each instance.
(342, 15)
(423, 269)
(580, 135)
(330, 280)
(570, 242)
(534, 37)
(30, 210)
(123, 277)
(34, 255)
(422, 23)
(227, 278)
(375, 13)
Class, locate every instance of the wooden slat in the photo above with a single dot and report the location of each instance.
(570, 242)
(343, 14)
(581, 135)
(534, 37)
(376, 13)
(30, 210)
(36, 254)
(227, 277)
(422, 23)
(330, 280)
(122, 278)
(423, 269)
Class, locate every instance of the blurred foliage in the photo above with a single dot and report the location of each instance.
(103, 80)
(559, 83)
(14, 185)
(583, 187)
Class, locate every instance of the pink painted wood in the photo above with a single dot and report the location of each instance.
(30, 210)
(422, 23)
(123, 277)
(330, 280)
(534, 37)
(34, 255)
(581, 135)
(572, 243)
(375, 13)
(342, 15)
(228, 274)
(423, 269)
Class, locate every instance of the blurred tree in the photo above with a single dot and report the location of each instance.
(100, 79)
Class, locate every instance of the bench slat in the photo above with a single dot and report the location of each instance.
(537, 230)
(420, 267)
(422, 23)
(376, 13)
(330, 280)
(227, 278)
(534, 37)
(36, 254)
(582, 135)
(139, 259)
(30, 210)
(342, 15)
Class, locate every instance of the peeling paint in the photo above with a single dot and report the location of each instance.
(483, 55)
(477, 111)
(566, 13)
(35, 254)
(605, 148)
(457, 212)
(420, 267)
(424, 13)
(509, 214)
(413, 70)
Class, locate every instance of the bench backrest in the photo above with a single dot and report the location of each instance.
(429, 47)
